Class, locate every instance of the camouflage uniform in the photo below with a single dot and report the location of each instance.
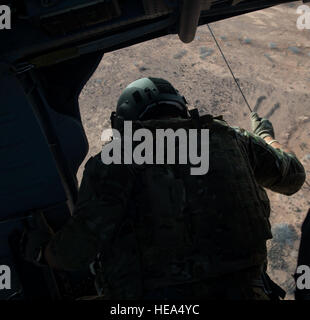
(165, 233)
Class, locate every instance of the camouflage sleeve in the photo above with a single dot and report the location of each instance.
(102, 200)
(273, 168)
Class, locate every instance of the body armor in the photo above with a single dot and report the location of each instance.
(183, 228)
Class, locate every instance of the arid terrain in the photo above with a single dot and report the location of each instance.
(271, 60)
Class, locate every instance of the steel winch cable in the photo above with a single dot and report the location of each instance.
(218, 46)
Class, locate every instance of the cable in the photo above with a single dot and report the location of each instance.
(246, 101)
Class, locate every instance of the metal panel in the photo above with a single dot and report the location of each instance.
(155, 7)
(206, 4)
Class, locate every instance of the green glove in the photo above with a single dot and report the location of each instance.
(261, 126)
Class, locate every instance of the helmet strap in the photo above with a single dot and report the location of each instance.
(117, 122)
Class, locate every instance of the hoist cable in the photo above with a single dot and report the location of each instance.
(218, 46)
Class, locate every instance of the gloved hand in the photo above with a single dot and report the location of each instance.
(34, 240)
(261, 126)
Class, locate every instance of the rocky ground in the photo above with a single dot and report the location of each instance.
(271, 60)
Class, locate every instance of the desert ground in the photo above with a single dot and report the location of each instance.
(271, 60)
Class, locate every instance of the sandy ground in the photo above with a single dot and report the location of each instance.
(271, 60)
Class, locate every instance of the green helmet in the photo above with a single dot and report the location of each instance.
(148, 96)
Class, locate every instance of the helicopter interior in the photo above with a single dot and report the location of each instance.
(54, 45)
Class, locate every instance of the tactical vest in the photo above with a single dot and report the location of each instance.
(185, 228)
